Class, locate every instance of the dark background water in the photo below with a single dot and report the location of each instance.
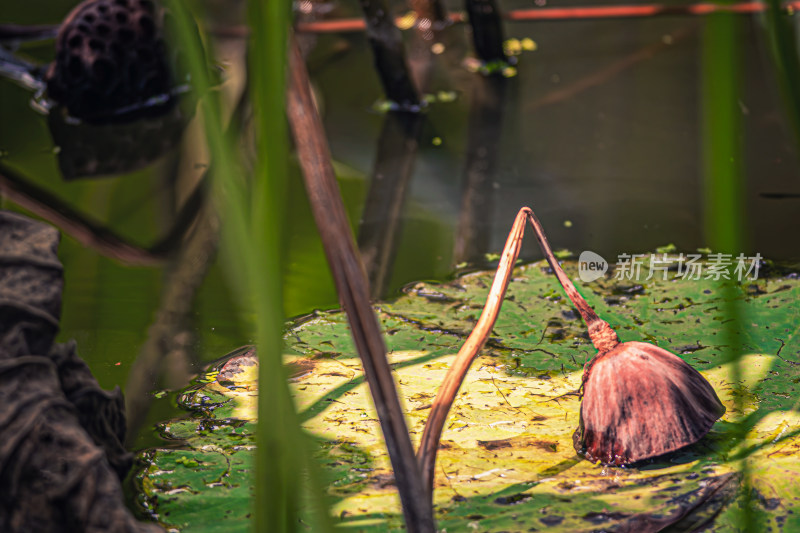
(600, 132)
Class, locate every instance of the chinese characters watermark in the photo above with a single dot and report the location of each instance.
(644, 267)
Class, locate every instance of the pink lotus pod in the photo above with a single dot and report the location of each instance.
(641, 401)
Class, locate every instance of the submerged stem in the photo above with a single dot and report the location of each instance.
(603, 337)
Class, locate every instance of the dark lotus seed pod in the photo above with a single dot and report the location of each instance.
(110, 59)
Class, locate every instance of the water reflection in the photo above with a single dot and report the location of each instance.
(87, 230)
(91, 150)
(168, 358)
(381, 220)
(486, 117)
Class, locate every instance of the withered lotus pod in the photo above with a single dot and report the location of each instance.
(639, 401)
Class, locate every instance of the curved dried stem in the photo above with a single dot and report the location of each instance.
(600, 332)
(587, 313)
(455, 375)
(603, 337)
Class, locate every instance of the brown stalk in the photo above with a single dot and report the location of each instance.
(92, 233)
(603, 337)
(458, 370)
(353, 288)
(89, 233)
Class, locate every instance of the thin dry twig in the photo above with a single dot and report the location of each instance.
(353, 288)
(92, 233)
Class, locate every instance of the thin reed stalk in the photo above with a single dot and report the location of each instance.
(429, 444)
(353, 288)
(602, 336)
(278, 457)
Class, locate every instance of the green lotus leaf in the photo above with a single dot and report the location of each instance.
(506, 461)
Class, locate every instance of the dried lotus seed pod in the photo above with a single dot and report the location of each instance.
(110, 59)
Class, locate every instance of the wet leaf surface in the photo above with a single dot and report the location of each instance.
(506, 462)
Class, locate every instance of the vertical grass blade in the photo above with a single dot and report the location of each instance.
(277, 483)
(252, 221)
(725, 216)
(722, 150)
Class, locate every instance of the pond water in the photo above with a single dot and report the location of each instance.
(600, 131)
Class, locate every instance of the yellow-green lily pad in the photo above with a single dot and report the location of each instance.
(506, 461)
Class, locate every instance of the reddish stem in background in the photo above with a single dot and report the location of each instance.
(571, 13)
(519, 15)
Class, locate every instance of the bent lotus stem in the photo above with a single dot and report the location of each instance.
(603, 337)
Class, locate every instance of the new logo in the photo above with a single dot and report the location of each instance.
(591, 266)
